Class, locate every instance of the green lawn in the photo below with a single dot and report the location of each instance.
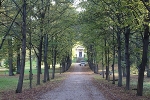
(3, 72)
(10, 82)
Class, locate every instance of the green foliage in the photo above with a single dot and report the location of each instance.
(134, 69)
(96, 24)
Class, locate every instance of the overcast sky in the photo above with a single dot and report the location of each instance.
(76, 2)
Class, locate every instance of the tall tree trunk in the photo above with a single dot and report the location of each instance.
(94, 60)
(42, 16)
(106, 60)
(53, 71)
(108, 65)
(103, 73)
(45, 57)
(10, 57)
(48, 79)
(30, 58)
(138, 60)
(124, 71)
(39, 61)
(119, 58)
(21, 77)
(54, 63)
(147, 19)
(90, 57)
(113, 58)
(18, 60)
(68, 62)
(127, 61)
(144, 61)
(148, 69)
(63, 65)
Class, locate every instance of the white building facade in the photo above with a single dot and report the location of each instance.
(80, 52)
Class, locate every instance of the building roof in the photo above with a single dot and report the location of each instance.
(80, 47)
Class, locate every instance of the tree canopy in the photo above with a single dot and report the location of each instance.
(112, 31)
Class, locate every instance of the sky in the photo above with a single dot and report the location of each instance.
(76, 2)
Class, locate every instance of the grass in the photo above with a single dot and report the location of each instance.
(3, 71)
(121, 92)
(133, 85)
(133, 82)
(10, 82)
(32, 94)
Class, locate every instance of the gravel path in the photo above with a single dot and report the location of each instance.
(77, 86)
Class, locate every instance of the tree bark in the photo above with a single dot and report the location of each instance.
(54, 62)
(68, 62)
(106, 61)
(103, 73)
(45, 57)
(113, 59)
(18, 59)
(10, 57)
(124, 71)
(127, 59)
(30, 58)
(21, 77)
(119, 59)
(90, 57)
(39, 61)
(138, 59)
(144, 61)
(108, 65)
(48, 79)
(63, 65)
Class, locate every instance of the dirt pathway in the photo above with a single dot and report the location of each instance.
(77, 86)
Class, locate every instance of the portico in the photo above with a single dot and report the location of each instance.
(80, 52)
